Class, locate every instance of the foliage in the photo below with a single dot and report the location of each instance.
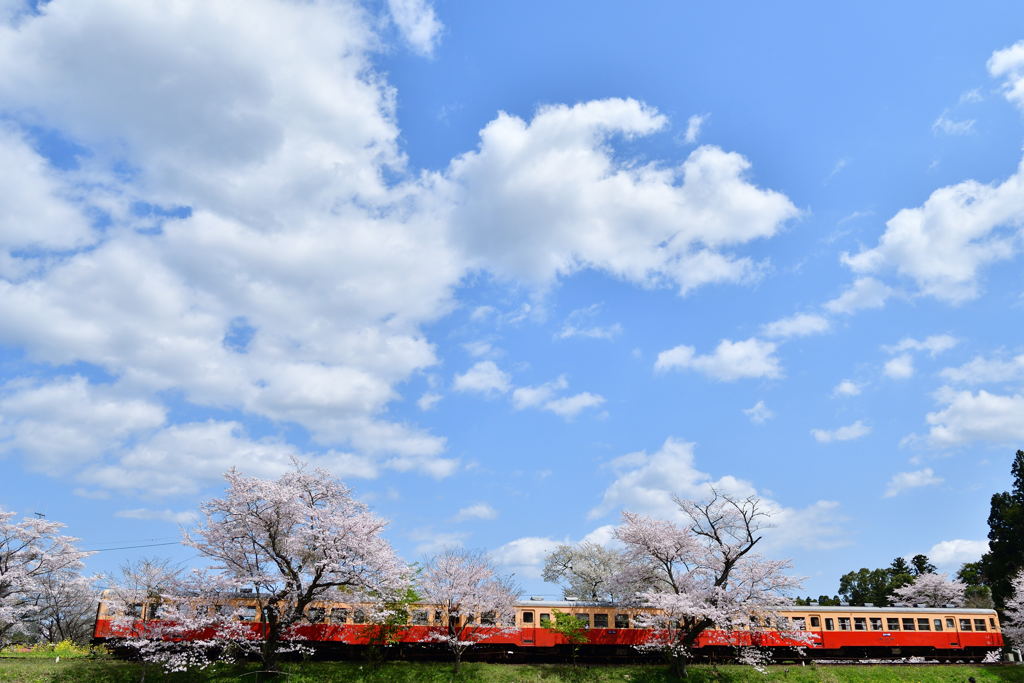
(66, 609)
(293, 541)
(931, 590)
(33, 554)
(1005, 556)
(877, 586)
(920, 564)
(977, 594)
(703, 573)
(474, 602)
(570, 627)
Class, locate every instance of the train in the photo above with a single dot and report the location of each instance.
(614, 632)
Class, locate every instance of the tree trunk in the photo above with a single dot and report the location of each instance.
(458, 660)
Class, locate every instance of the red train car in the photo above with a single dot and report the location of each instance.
(614, 632)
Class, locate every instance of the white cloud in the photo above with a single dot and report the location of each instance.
(418, 24)
(947, 126)
(580, 323)
(798, 325)
(182, 517)
(60, 425)
(555, 200)
(693, 126)
(909, 480)
(645, 483)
(179, 460)
(981, 370)
(537, 396)
(484, 377)
(1008, 64)
(865, 292)
(934, 345)
(571, 406)
(970, 417)
(477, 511)
(478, 348)
(943, 244)
(730, 360)
(956, 552)
(428, 401)
(846, 433)
(524, 556)
(759, 413)
(900, 367)
(847, 388)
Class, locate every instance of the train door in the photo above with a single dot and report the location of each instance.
(815, 626)
(952, 631)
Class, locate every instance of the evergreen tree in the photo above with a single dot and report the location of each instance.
(921, 565)
(1005, 556)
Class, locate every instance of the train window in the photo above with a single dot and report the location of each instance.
(153, 611)
(437, 616)
(246, 613)
(754, 621)
(965, 624)
(860, 624)
(892, 624)
(600, 621)
(938, 624)
(621, 621)
(950, 624)
(922, 624)
(545, 617)
(799, 624)
(419, 617)
(908, 624)
(829, 626)
(979, 625)
(527, 617)
(844, 623)
(584, 619)
(489, 618)
(992, 623)
(876, 623)
(339, 615)
(315, 614)
(359, 617)
(135, 610)
(815, 622)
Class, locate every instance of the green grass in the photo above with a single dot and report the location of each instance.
(25, 670)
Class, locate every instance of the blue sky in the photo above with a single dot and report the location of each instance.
(509, 268)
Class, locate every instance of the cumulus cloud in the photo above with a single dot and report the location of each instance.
(693, 126)
(900, 367)
(476, 511)
(545, 198)
(902, 481)
(759, 413)
(646, 483)
(982, 370)
(969, 417)
(1008, 64)
(536, 396)
(484, 377)
(524, 556)
(846, 433)
(798, 325)
(544, 396)
(418, 24)
(61, 424)
(865, 292)
(847, 388)
(580, 323)
(729, 361)
(954, 553)
(934, 345)
(428, 401)
(571, 406)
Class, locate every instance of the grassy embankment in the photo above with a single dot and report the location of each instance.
(37, 669)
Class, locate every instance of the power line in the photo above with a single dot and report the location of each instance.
(131, 547)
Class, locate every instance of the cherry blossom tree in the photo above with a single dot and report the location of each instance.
(474, 602)
(66, 608)
(591, 572)
(931, 590)
(705, 576)
(32, 552)
(1013, 615)
(293, 541)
